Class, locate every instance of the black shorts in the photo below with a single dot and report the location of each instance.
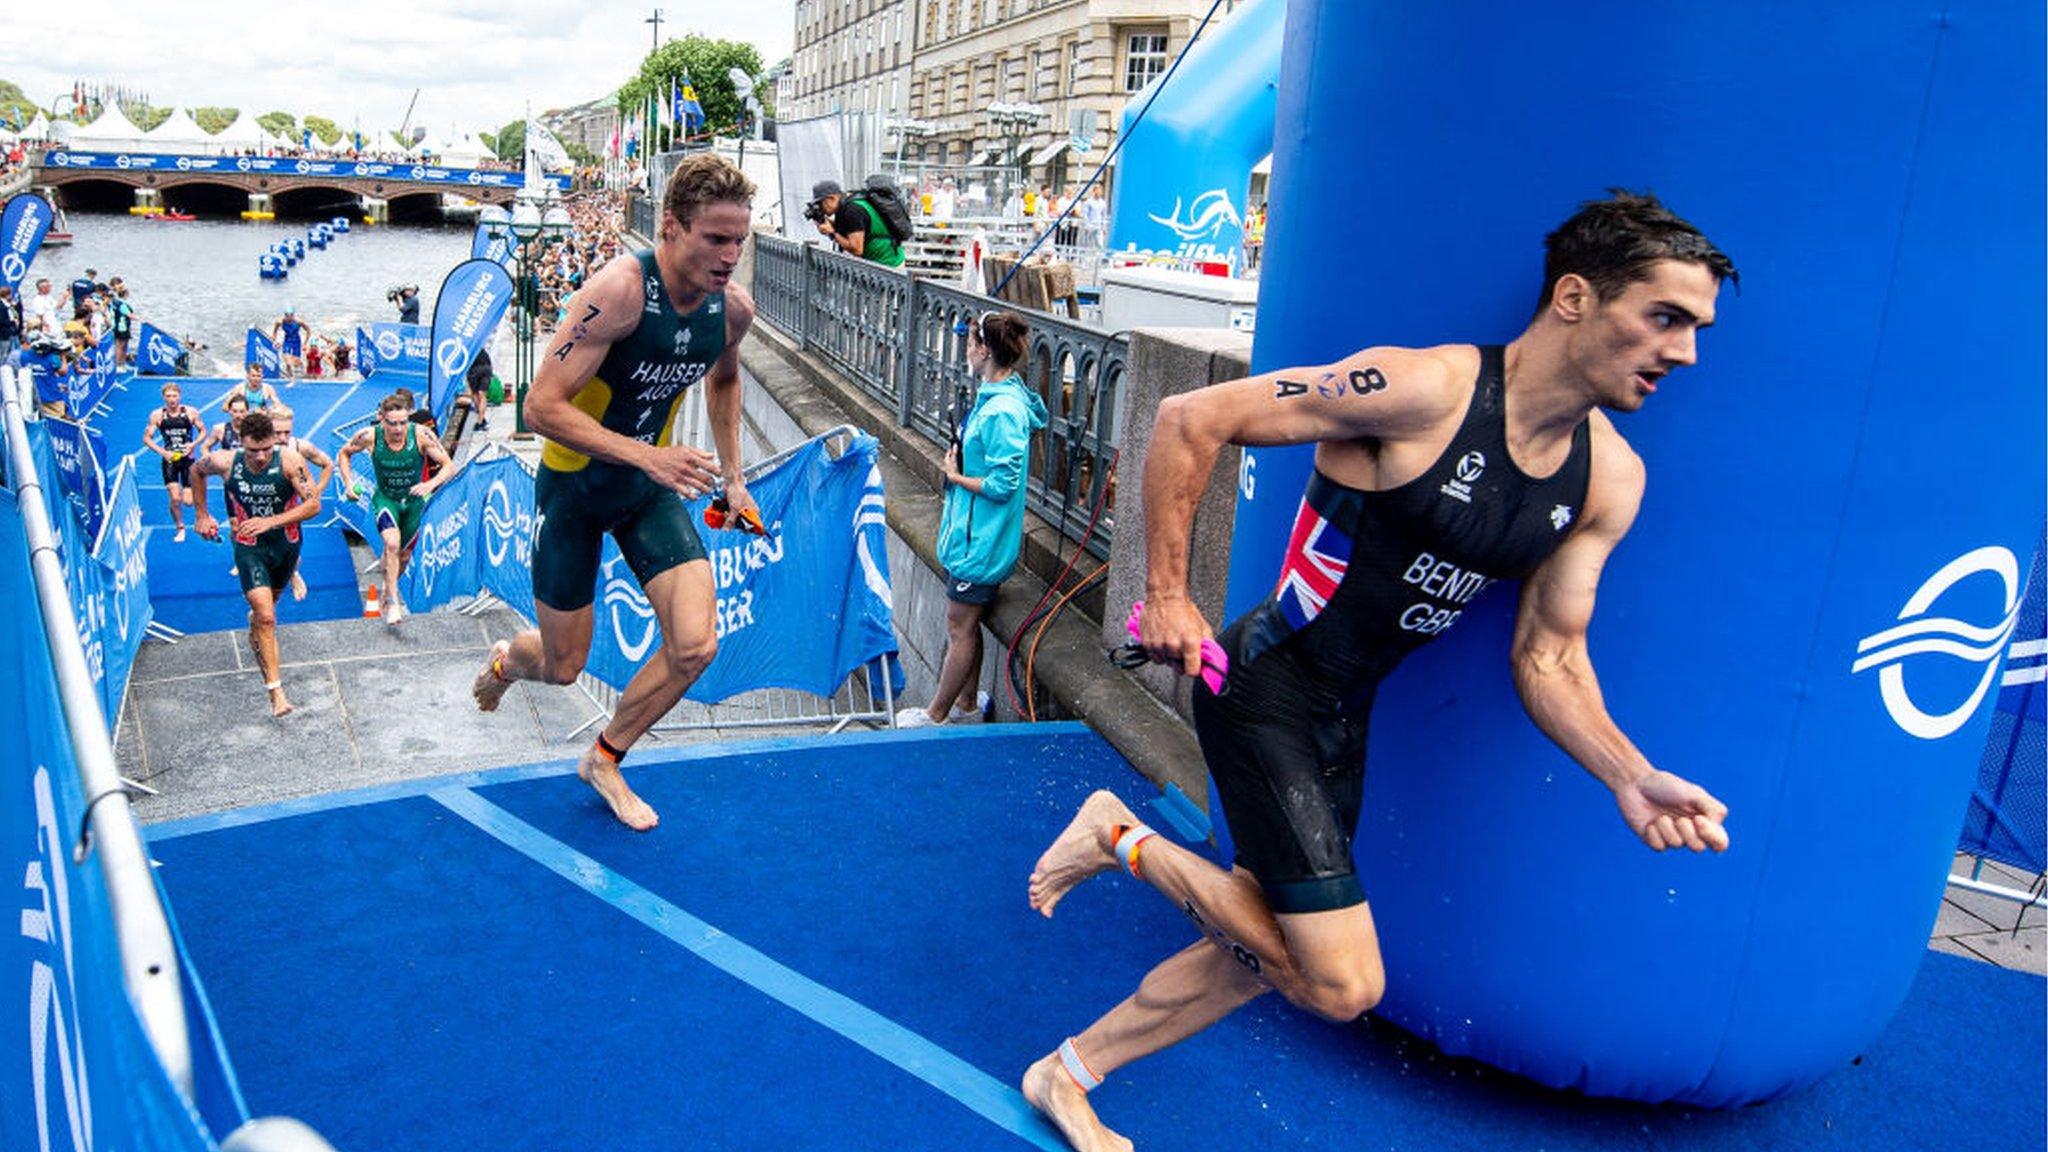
(268, 563)
(650, 523)
(968, 592)
(1289, 766)
(178, 471)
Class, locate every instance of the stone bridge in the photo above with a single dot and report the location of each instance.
(374, 183)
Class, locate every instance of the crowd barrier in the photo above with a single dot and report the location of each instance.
(113, 1045)
(805, 609)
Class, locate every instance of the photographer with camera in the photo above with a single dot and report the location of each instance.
(407, 297)
(853, 223)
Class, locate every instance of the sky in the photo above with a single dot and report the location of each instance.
(477, 65)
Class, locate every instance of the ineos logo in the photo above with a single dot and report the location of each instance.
(1470, 465)
(1920, 634)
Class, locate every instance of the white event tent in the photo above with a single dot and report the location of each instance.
(244, 135)
(112, 132)
(179, 133)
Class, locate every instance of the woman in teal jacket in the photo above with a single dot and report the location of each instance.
(982, 528)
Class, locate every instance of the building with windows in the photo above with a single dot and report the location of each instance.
(851, 56)
(1057, 74)
(586, 126)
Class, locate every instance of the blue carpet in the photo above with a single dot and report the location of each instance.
(826, 946)
(190, 586)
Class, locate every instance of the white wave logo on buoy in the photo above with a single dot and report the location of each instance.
(1921, 634)
(1206, 216)
(621, 592)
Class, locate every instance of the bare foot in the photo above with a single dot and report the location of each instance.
(1054, 1093)
(604, 776)
(488, 689)
(1082, 850)
(279, 706)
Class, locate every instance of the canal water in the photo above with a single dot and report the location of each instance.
(197, 279)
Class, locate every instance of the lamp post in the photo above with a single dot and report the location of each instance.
(1013, 122)
(905, 128)
(531, 221)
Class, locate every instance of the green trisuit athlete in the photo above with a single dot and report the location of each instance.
(400, 452)
(636, 337)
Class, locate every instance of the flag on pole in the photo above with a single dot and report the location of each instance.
(688, 111)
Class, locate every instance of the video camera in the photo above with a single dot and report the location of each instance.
(393, 293)
(814, 212)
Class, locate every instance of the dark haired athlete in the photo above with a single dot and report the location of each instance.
(269, 494)
(1438, 472)
(641, 332)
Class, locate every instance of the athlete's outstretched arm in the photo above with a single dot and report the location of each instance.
(149, 435)
(360, 442)
(1554, 669)
(1378, 392)
(211, 464)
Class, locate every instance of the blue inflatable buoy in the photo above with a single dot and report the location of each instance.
(340, 223)
(1828, 562)
(270, 266)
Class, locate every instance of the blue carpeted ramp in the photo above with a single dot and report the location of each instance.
(826, 946)
(191, 584)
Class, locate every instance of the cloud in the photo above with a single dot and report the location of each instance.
(475, 65)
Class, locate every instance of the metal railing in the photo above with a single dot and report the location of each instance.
(894, 337)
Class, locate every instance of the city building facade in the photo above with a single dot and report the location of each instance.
(850, 56)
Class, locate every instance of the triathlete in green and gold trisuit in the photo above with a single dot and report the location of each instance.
(398, 470)
(271, 559)
(636, 393)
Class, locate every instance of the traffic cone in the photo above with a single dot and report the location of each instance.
(372, 606)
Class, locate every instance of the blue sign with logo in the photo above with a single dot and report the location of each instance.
(23, 223)
(124, 575)
(477, 535)
(157, 352)
(400, 348)
(471, 302)
(486, 246)
(292, 166)
(260, 350)
(77, 451)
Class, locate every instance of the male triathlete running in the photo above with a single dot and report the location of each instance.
(399, 451)
(179, 431)
(1438, 471)
(269, 494)
(643, 330)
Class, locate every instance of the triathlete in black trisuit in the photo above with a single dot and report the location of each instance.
(1438, 472)
(640, 333)
(180, 432)
(269, 494)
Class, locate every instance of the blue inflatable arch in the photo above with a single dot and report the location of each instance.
(1842, 496)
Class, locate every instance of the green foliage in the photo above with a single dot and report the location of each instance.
(147, 118)
(511, 141)
(706, 62)
(18, 113)
(489, 140)
(324, 130)
(280, 124)
(213, 119)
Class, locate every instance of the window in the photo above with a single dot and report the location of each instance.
(1077, 65)
(1045, 78)
(1013, 78)
(1144, 60)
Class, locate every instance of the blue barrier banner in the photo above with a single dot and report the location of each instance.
(801, 608)
(395, 348)
(259, 350)
(157, 352)
(124, 572)
(78, 451)
(23, 223)
(291, 166)
(82, 1074)
(498, 249)
(366, 354)
(83, 579)
(472, 300)
(92, 378)
(477, 535)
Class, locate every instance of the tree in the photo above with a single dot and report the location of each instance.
(324, 130)
(511, 142)
(706, 62)
(15, 106)
(213, 118)
(280, 124)
(147, 118)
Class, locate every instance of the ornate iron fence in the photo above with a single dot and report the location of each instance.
(899, 339)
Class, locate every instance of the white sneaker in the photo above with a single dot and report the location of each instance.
(915, 718)
(179, 537)
(957, 716)
(394, 611)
